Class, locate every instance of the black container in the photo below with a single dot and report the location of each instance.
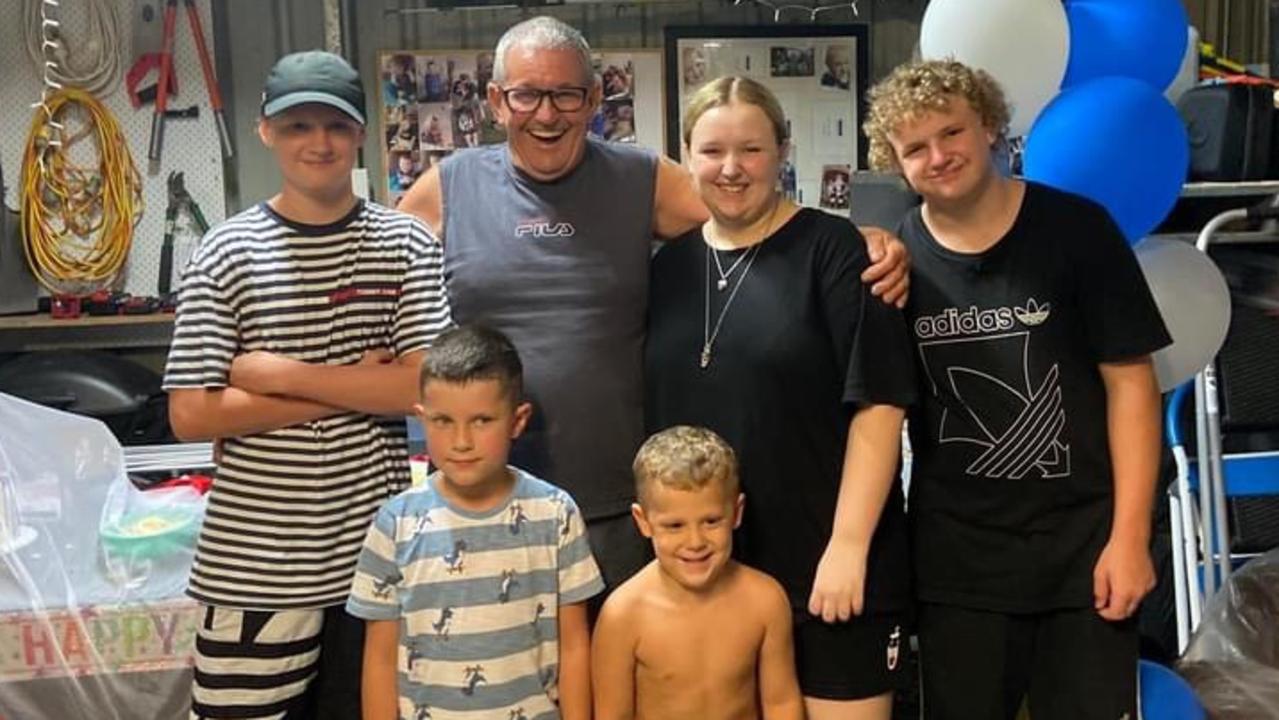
(121, 393)
(1231, 128)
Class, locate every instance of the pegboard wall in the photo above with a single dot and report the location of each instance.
(190, 145)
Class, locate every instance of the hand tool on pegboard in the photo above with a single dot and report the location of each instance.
(166, 73)
(139, 96)
(179, 200)
(148, 39)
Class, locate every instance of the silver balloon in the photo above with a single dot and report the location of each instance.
(1188, 74)
(1195, 303)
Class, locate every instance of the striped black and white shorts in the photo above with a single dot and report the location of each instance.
(260, 665)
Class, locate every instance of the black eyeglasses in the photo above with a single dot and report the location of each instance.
(528, 100)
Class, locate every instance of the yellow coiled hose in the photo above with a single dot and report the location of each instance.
(77, 221)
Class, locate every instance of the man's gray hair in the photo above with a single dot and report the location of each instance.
(542, 33)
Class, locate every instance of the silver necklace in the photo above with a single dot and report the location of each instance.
(722, 283)
(709, 335)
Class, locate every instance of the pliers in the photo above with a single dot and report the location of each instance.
(179, 198)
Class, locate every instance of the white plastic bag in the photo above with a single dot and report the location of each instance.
(1233, 658)
(91, 628)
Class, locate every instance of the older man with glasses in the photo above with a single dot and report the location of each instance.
(547, 239)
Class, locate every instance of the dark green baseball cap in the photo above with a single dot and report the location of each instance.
(313, 76)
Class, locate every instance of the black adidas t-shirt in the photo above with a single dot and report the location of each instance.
(802, 345)
(1011, 489)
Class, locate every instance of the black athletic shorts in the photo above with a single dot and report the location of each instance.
(853, 660)
(1068, 664)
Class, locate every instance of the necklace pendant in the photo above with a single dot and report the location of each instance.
(721, 284)
(705, 360)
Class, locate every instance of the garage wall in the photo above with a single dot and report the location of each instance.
(1238, 29)
(253, 33)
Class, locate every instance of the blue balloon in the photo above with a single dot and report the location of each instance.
(1166, 696)
(1117, 141)
(1143, 39)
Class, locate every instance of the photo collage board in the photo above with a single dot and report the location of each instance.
(818, 74)
(434, 102)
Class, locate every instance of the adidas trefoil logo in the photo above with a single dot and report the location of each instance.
(1034, 313)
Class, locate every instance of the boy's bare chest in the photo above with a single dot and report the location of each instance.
(698, 663)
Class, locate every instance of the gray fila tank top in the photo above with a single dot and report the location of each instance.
(562, 269)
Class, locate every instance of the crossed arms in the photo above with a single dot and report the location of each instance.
(268, 392)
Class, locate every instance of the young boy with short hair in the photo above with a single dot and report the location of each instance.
(1036, 438)
(694, 635)
(474, 584)
(300, 324)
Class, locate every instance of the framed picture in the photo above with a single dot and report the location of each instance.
(433, 102)
(819, 75)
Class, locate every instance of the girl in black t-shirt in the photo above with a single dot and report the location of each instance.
(760, 329)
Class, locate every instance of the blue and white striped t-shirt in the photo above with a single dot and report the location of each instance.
(478, 597)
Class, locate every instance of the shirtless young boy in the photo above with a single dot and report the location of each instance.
(694, 635)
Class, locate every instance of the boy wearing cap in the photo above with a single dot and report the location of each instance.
(301, 322)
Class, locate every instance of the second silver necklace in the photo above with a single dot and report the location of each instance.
(709, 334)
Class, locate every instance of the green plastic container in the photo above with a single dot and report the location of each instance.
(152, 534)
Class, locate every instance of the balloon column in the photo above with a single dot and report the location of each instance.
(1111, 135)
(1086, 79)
(1117, 141)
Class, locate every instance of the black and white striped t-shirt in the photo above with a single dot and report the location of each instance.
(289, 508)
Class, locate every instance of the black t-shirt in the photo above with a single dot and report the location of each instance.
(1011, 491)
(802, 345)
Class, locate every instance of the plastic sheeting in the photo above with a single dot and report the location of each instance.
(93, 621)
(1233, 658)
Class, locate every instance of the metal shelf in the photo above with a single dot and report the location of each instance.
(1230, 189)
(1243, 237)
(1247, 193)
(28, 322)
(23, 333)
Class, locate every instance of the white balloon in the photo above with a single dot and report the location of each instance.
(1195, 303)
(1188, 74)
(1024, 44)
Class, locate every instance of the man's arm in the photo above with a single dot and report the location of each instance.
(870, 464)
(677, 208)
(1124, 572)
(207, 413)
(425, 201)
(613, 662)
(575, 662)
(379, 696)
(377, 385)
(779, 694)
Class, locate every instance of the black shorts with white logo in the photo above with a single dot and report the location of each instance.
(853, 660)
(1068, 664)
